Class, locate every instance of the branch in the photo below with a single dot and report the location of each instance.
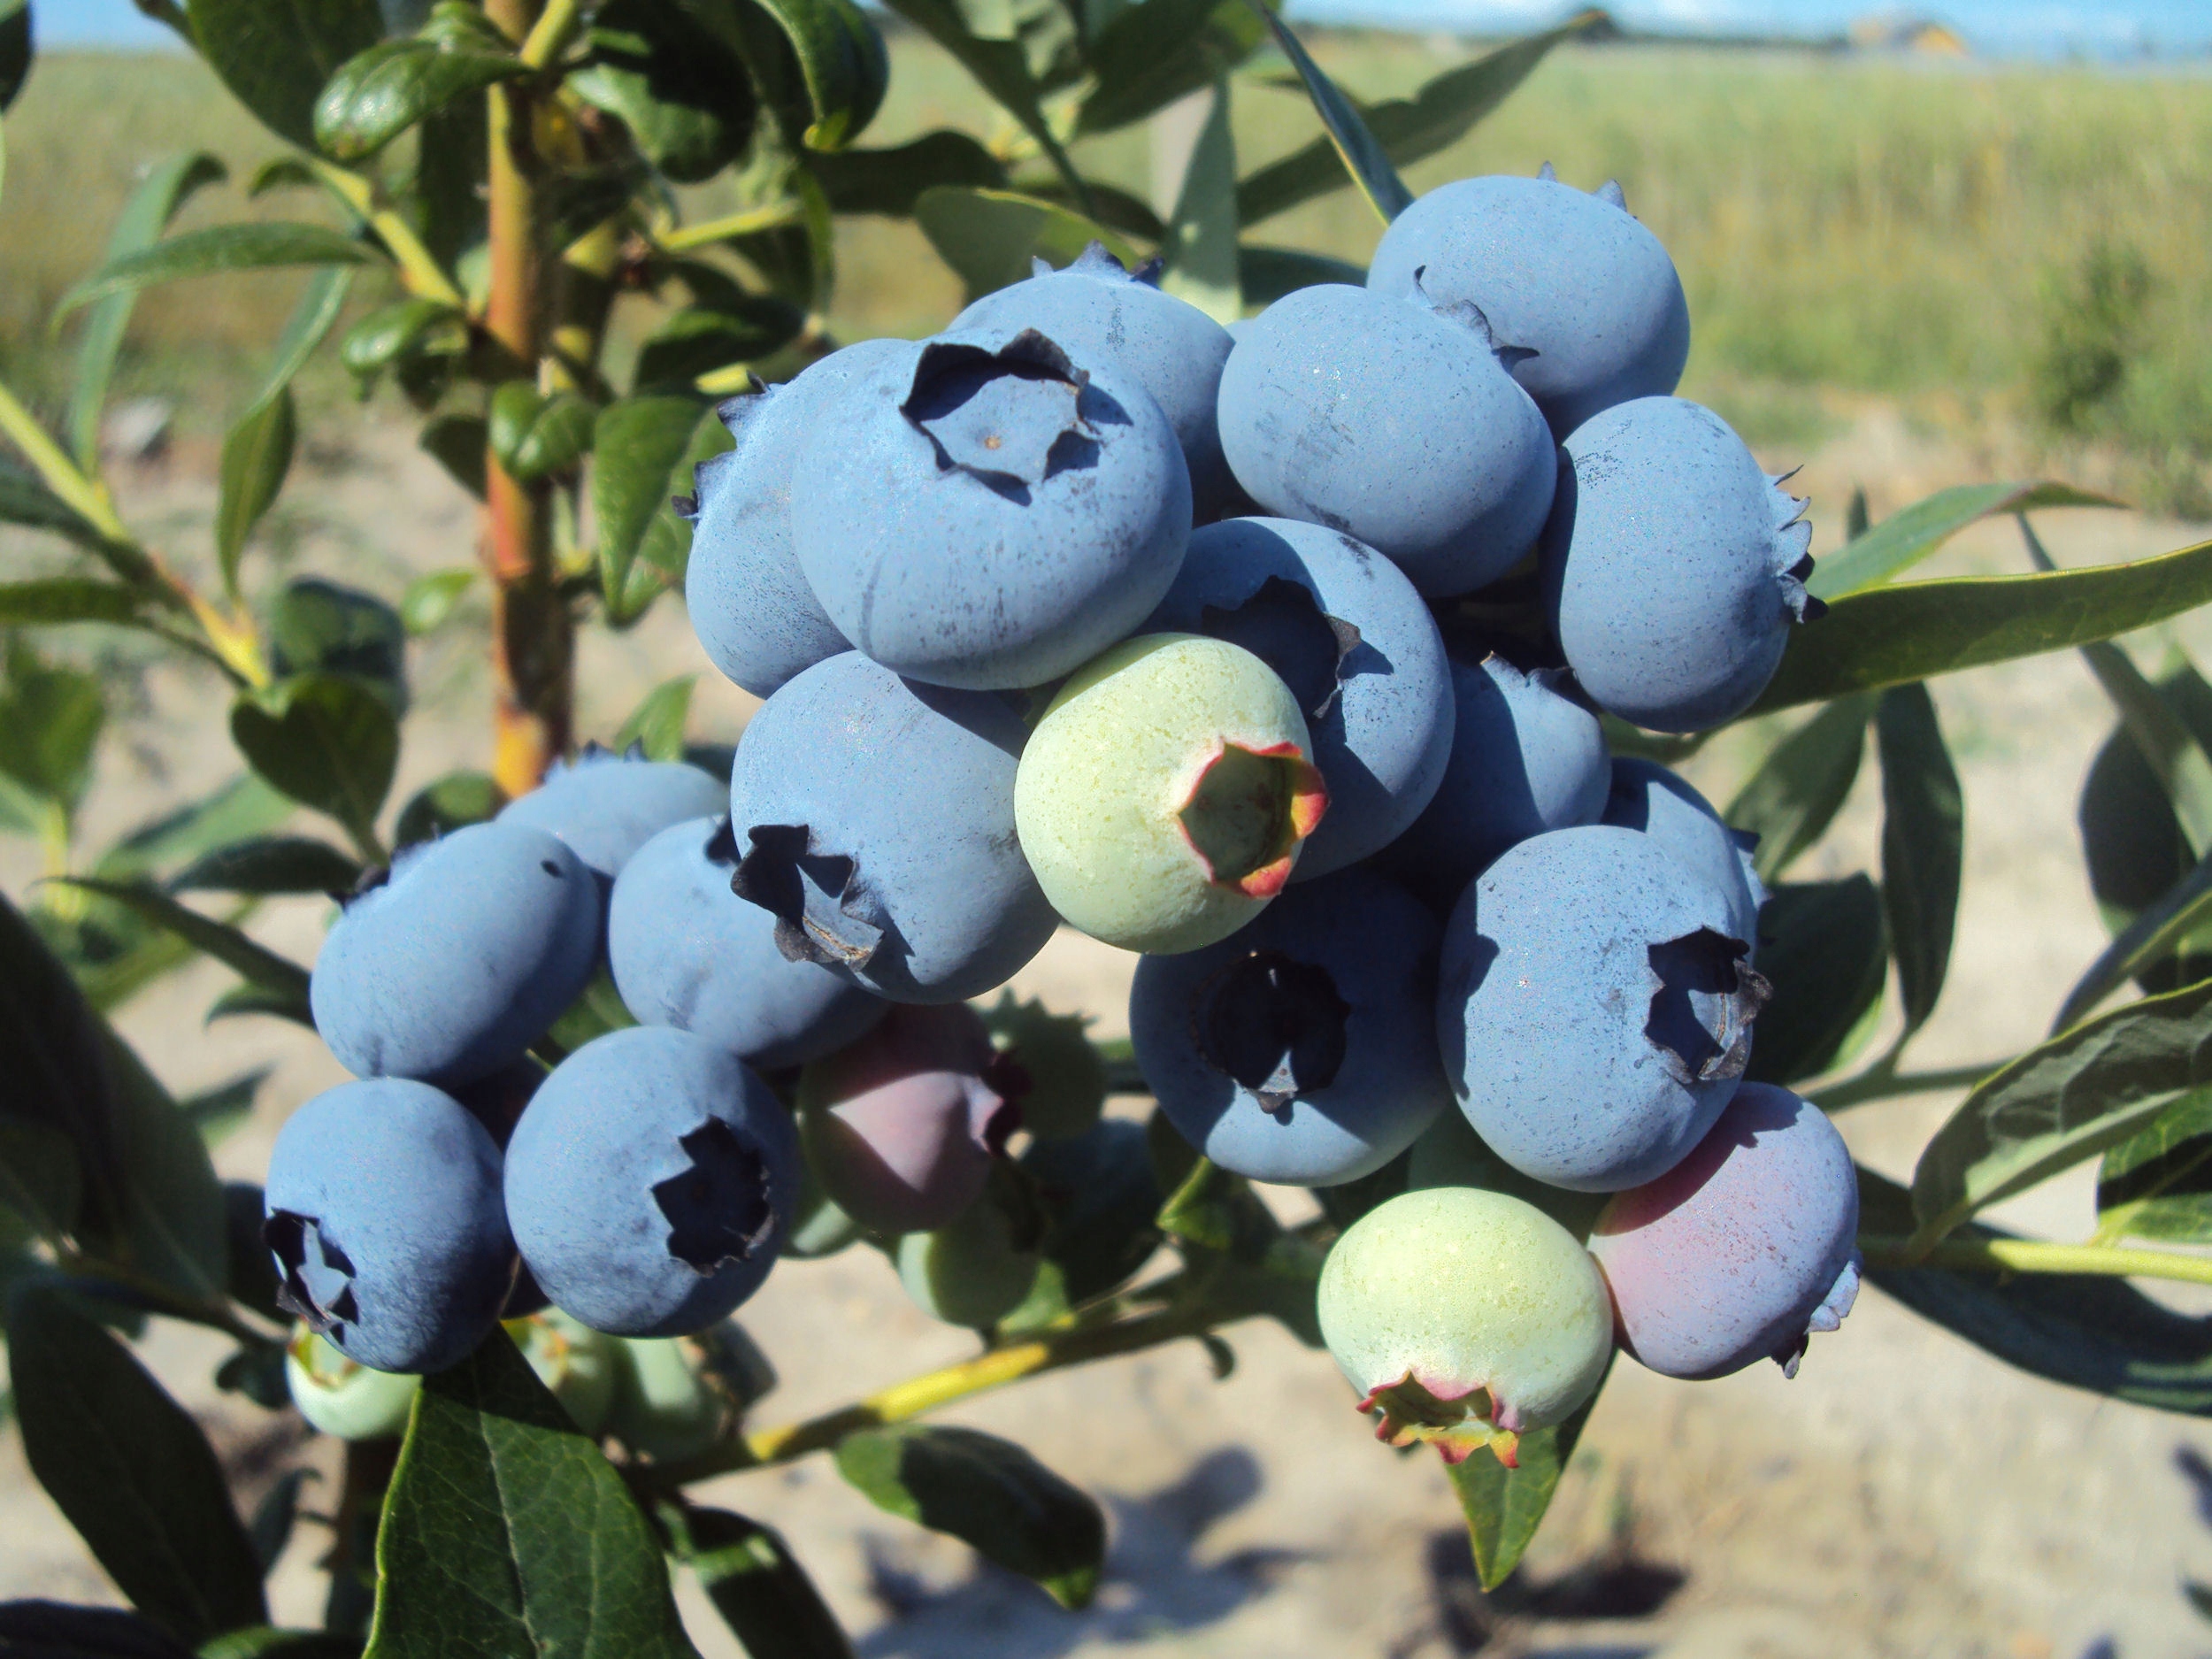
(550, 35)
(744, 224)
(419, 272)
(2034, 1255)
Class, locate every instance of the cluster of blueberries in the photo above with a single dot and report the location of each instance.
(1091, 612)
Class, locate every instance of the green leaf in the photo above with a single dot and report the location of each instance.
(2158, 1184)
(657, 723)
(56, 600)
(130, 1470)
(1801, 785)
(50, 1629)
(50, 719)
(2161, 928)
(841, 57)
(16, 49)
(265, 1642)
(250, 960)
(1901, 541)
(1266, 274)
(1101, 1197)
(1157, 52)
(2176, 759)
(269, 865)
(989, 1493)
(459, 444)
(1001, 68)
(257, 454)
(2067, 1100)
(407, 328)
(1359, 150)
(506, 1531)
(696, 343)
(327, 740)
(379, 93)
(41, 1185)
(534, 436)
(1504, 1507)
(1200, 255)
(757, 1583)
(1922, 845)
(676, 83)
(988, 237)
(888, 180)
(644, 450)
(276, 59)
(215, 1112)
(1400, 131)
(317, 311)
(448, 803)
(244, 806)
(430, 600)
(1887, 636)
(271, 1528)
(319, 627)
(144, 216)
(25, 501)
(212, 252)
(1824, 949)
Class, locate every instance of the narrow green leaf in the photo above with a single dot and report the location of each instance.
(989, 1493)
(989, 237)
(268, 1642)
(1362, 156)
(58, 1074)
(757, 1583)
(51, 720)
(265, 864)
(62, 599)
(2157, 931)
(1902, 540)
(234, 949)
(144, 216)
(506, 1531)
(1822, 949)
(25, 501)
(1404, 130)
(257, 455)
(320, 627)
(644, 448)
(313, 315)
(1887, 636)
(1159, 51)
(842, 59)
(1266, 274)
(131, 1471)
(1802, 784)
(271, 1528)
(244, 807)
(459, 443)
(52, 1630)
(657, 723)
(378, 94)
(2067, 1100)
(246, 998)
(534, 436)
(327, 740)
(2158, 1184)
(215, 250)
(1200, 253)
(275, 58)
(215, 1112)
(430, 600)
(404, 328)
(1504, 1507)
(888, 180)
(448, 803)
(697, 343)
(41, 1185)
(1000, 68)
(1922, 845)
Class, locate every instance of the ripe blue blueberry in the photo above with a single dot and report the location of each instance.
(651, 1182)
(383, 1212)
(1673, 567)
(1395, 421)
(874, 819)
(1299, 1050)
(461, 958)
(1102, 312)
(606, 806)
(1573, 278)
(1347, 633)
(985, 511)
(1525, 759)
(688, 952)
(757, 618)
(1742, 1250)
(1645, 796)
(1595, 1012)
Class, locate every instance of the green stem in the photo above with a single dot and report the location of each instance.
(1877, 1084)
(550, 35)
(744, 224)
(420, 270)
(2035, 1255)
(163, 1299)
(59, 474)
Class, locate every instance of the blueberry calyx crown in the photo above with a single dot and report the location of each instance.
(811, 893)
(1097, 260)
(1248, 811)
(1456, 1423)
(1009, 418)
(1284, 625)
(1274, 1024)
(720, 1210)
(315, 1281)
(1704, 998)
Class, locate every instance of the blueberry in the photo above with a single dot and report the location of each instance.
(1394, 421)
(874, 819)
(1525, 759)
(577, 1364)
(972, 1272)
(651, 1181)
(1673, 567)
(900, 1126)
(342, 1399)
(1346, 632)
(383, 1213)
(1645, 796)
(1743, 1249)
(982, 511)
(757, 618)
(672, 1398)
(1465, 1318)
(1300, 1048)
(1165, 797)
(461, 958)
(688, 952)
(1100, 313)
(1595, 1010)
(606, 806)
(1572, 277)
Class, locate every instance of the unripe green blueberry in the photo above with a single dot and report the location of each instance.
(343, 1398)
(1062, 1080)
(975, 1272)
(1164, 796)
(818, 1227)
(675, 1396)
(577, 1362)
(1465, 1318)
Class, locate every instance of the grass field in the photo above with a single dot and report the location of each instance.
(1930, 233)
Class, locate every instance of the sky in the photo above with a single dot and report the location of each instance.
(2044, 28)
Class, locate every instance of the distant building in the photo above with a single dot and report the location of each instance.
(1893, 33)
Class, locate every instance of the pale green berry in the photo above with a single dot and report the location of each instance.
(1465, 1318)
(1164, 796)
(676, 1396)
(343, 1398)
(975, 1272)
(572, 1359)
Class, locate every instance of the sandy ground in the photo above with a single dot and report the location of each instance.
(1904, 1495)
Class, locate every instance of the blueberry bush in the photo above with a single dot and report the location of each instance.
(1322, 634)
